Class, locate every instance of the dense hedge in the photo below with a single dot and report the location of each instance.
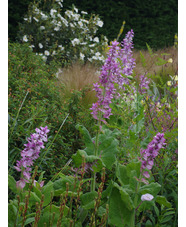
(155, 22)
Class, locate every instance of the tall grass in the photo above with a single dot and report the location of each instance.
(151, 67)
(79, 77)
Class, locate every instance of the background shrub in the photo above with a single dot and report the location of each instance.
(30, 78)
(154, 22)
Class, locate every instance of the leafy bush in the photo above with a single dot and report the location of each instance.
(65, 36)
(35, 100)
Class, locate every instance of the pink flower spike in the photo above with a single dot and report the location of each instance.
(20, 184)
(146, 174)
(41, 183)
(147, 197)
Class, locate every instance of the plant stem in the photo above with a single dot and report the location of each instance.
(93, 183)
(53, 139)
(17, 115)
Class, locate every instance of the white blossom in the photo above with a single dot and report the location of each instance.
(25, 39)
(82, 56)
(71, 25)
(46, 53)
(42, 27)
(61, 47)
(76, 10)
(147, 197)
(32, 46)
(75, 41)
(83, 12)
(35, 19)
(44, 58)
(100, 23)
(43, 16)
(36, 10)
(92, 45)
(52, 11)
(96, 39)
(80, 23)
(40, 46)
(57, 28)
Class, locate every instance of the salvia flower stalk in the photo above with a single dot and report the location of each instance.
(148, 155)
(118, 65)
(30, 154)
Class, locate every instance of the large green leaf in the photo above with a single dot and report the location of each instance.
(47, 215)
(46, 190)
(12, 212)
(12, 183)
(108, 154)
(127, 174)
(33, 199)
(152, 188)
(78, 160)
(88, 199)
(163, 201)
(125, 196)
(119, 214)
(87, 139)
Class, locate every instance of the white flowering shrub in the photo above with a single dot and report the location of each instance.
(63, 35)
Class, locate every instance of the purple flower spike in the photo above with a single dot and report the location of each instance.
(119, 62)
(148, 155)
(29, 154)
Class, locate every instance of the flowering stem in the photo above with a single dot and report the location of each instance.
(67, 164)
(53, 139)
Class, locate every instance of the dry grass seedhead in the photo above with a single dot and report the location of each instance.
(78, 76)
(151, 68)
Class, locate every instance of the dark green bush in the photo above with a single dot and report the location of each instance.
(35, 81)
(154, 22)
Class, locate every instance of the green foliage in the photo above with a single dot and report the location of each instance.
(34, 101)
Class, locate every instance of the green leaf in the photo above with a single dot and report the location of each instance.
(33, 199)
(108, 153)
(88, 199)
(163, 201)
(47, 215)
(29, 220)
(41, 176)
(12, 212)
(143, 60)
(121, 173)
(119, 214)
(78, 159)
(156, 210)
(127, 174)
(166, 219)
(87, 139)
(82, 214)
(46, 190)
(152, 188)
(160, 62)
(125, 196)
(37, 191)
(148, 224)
(149, 49)
(12, 183)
